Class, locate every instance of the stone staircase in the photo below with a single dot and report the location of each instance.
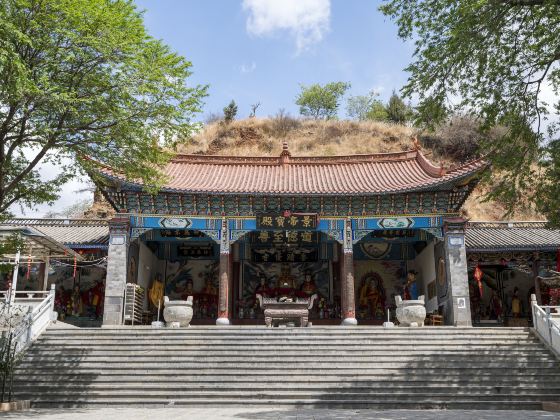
(362, 367)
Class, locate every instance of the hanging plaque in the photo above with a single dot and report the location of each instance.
(287, 221)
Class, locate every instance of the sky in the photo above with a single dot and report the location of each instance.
(261, 51)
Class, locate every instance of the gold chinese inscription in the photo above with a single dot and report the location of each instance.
(287, 221)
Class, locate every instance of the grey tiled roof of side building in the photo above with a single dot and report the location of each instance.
(511, 236)
(71, 232)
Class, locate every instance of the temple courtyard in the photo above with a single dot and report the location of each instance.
(272, 413)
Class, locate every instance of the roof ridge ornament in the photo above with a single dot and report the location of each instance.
(416, 143)
(285, 155)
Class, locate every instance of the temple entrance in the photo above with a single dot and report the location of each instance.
(176, 263)
(394, 262)
(292, 264)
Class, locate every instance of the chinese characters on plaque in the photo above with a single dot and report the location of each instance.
(267, 237)
(287, 221)
(181, 233)
(195, 251)
(284, 255)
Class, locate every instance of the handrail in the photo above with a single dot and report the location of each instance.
(35, 322)
(546, 325)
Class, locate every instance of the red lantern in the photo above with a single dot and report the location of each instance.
(75, 267)
(478, 277)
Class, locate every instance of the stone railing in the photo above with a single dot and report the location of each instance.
(28, 316)
(546, 323)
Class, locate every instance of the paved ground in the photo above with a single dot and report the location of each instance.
(259, 413)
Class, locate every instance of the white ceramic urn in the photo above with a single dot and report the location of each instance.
(411, 313)
(178, 313)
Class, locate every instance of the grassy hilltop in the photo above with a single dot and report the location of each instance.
(454, 143)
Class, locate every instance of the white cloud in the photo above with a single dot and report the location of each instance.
(248, 68)
(305, 20)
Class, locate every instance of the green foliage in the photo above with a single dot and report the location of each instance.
(494, 58)
(397, 110)
(83, 82)
(377, 112)
(321, 102)
(358, 107)
(230, 111)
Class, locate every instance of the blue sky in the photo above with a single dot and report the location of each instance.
(262, 50)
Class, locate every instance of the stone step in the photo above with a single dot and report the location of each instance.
(472, 395)
(334, 343)
(270, 351)
(342, 387)
(437, 367)
(551, 379)
(316, 364)
(271, 333)
(388, 403)
(310, 361)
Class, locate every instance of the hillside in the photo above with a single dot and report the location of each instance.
(258, 137)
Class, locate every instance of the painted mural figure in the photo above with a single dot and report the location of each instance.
(372, 294)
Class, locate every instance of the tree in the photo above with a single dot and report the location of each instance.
(230, 111)
(377, 112)
(254, 108)
(84, 85)
(359, 106)
(494, 60)
(76, 210)
(397, 110)
(321, 102)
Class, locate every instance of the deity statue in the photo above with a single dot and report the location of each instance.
(496, 308)
(516, 304)
(189, 289)
(262, 288)
(372, 294)
(75, 302)
(285, 280)
(97, 293)
(308, 287)
(209, 287)
(410, 289)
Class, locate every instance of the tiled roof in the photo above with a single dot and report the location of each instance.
(356, 174)
(75, 233)
(511, 236)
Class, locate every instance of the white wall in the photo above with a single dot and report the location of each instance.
(147, 269)
(424, 263)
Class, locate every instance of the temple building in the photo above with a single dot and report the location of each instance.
(352, 229)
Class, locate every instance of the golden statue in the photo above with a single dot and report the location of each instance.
(209, 288)
(285, 280)
(156, 292)
(371, 294)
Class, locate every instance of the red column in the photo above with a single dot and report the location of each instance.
(224, 276)
(347, 288)
(223, 294)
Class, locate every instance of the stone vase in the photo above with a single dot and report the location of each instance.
(411, 313)
(178, 313)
